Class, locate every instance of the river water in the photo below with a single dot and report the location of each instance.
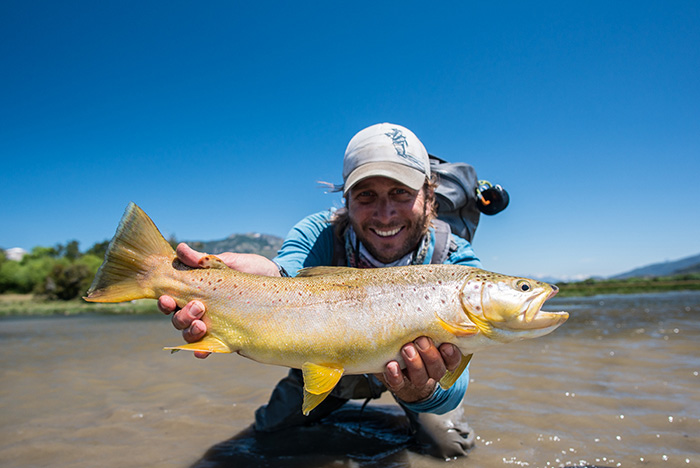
(617, 385)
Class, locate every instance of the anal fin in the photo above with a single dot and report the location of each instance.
(319, 381)
(451, 377)
(209, 344)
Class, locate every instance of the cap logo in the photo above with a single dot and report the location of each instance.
(400, 143)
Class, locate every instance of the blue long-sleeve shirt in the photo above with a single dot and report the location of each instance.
(310, 243)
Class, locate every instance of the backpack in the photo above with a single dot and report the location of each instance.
(462, 197)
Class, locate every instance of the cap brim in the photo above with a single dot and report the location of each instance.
(408, 176)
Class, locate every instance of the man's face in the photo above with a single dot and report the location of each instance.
(388, 217)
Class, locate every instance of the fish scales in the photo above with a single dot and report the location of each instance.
(327, 321)
(323, 317)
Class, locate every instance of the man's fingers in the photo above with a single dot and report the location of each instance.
(194, 332)
(393, 377)
(451, 355)
(184, 318)
(432, 360)
(188, 255)
(166, 304)
(415, 369)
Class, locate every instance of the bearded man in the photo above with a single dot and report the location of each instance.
(389, 219)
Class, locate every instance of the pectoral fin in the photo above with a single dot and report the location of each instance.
(319, 381)
(451, 377)
(459, 329)
(209, 344)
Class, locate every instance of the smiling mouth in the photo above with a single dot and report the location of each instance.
(386, 233)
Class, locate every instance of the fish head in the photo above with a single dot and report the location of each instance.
(507, 308)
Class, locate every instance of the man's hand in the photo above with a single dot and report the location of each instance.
(189, 318)
(425, 366)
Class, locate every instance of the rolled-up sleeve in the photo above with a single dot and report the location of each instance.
(442, 401)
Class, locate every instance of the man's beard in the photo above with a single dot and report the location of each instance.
(416, 231)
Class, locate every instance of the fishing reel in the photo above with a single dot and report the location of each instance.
(491, 199)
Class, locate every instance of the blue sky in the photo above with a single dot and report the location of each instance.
(220, 118)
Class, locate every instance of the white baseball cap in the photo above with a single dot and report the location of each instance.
(386, 150)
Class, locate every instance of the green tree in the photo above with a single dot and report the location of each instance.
(66, 282)
(72, 250)
(99, 249)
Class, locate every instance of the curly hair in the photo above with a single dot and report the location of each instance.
(341, 218)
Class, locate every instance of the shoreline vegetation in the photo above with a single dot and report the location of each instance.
(30, 305)
(636, 285)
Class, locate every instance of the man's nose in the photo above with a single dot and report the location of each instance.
(384, 209)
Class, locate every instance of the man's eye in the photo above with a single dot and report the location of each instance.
(364, 196)
(401, 193)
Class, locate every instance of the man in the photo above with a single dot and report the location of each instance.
(389, 220)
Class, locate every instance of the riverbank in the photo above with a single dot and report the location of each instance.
(592, 287)
(29, 305)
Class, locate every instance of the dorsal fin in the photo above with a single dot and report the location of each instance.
(323, 270)
(212, 261)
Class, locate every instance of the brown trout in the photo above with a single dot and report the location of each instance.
(327, 321)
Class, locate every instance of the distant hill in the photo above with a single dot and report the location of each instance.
(262, 244)
(677, 267)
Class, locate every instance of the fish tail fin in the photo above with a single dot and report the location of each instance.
(121, 275)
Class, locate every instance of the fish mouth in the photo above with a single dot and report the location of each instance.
(534, 318)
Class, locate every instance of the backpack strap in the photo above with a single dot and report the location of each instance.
(442, 242)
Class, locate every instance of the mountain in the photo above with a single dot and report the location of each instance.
(677, 267)
(262, 244)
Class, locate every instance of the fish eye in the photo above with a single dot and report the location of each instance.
(523, 285)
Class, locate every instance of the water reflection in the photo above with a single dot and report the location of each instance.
(377, 436)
